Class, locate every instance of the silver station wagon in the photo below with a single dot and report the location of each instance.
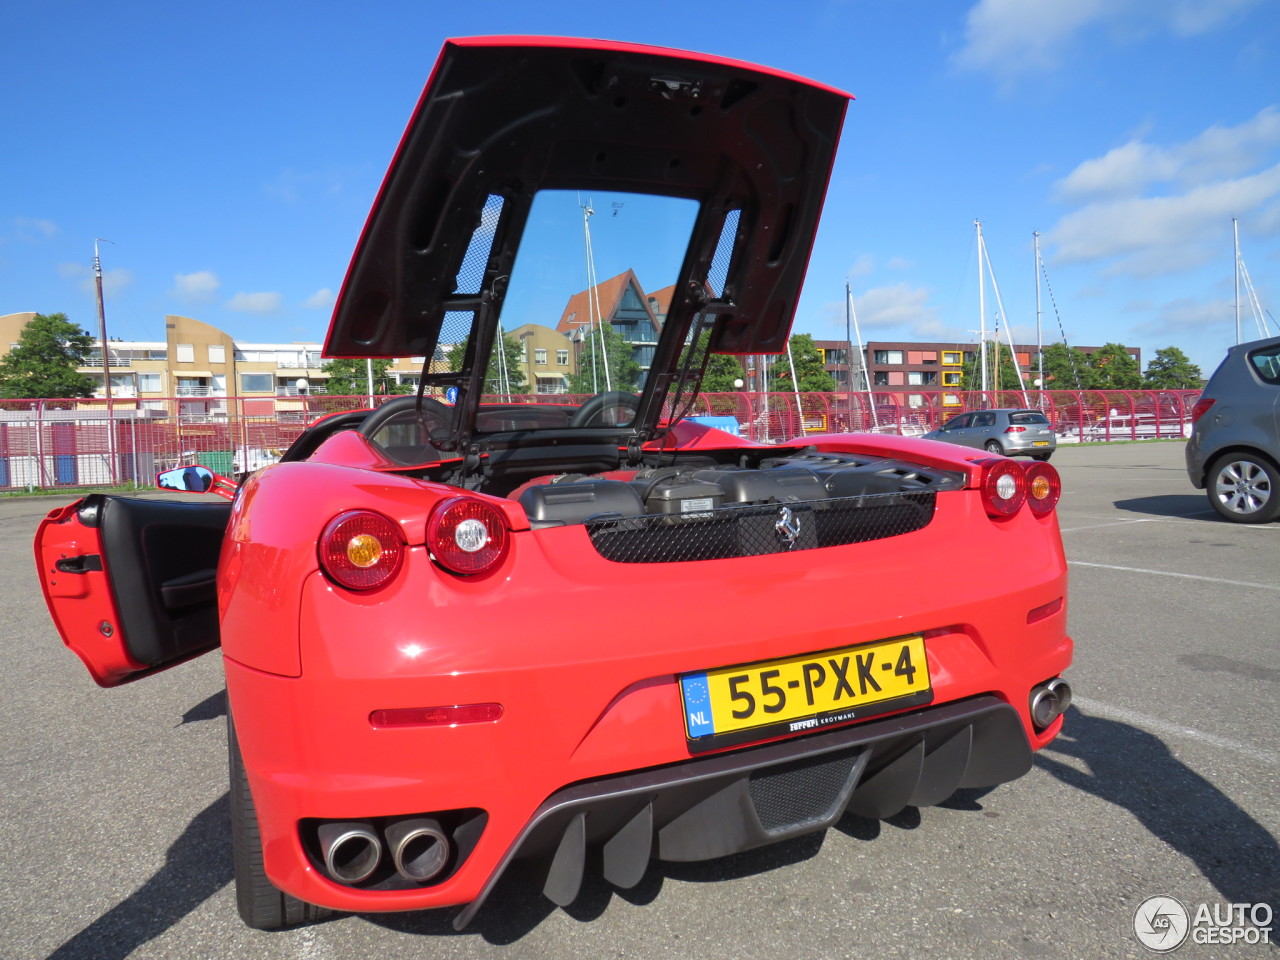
(1234, 450)
(1011, 432)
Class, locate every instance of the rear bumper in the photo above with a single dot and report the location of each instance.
(726, 804)
(1020, 445)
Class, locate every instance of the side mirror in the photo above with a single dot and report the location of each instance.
(190, 479)
(195, 479)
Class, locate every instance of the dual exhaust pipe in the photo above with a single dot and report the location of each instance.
(1049, 701)
(352, 850)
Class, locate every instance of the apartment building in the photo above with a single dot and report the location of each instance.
(892, 365)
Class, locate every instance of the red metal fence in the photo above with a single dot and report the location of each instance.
(73, 443)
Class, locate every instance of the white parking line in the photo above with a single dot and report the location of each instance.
(1184, 518)
(1166, 729)
(1170, 573)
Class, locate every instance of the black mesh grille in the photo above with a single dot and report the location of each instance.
(754, 530)
(471, 273)
(801, 793)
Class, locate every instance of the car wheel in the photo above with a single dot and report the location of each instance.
(1044, 457)
(993, 446)
(262, 904)
(1244, 488)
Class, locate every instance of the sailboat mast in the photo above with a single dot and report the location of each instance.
(851, 317)
(982, 313)
(1035, 236)
(106, 365)
(102, 325)
(1235, 230)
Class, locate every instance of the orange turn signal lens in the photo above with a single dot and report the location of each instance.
(361, 550)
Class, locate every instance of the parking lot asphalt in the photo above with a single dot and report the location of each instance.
(1164, 782)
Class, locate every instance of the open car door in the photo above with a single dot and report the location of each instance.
(131, 582)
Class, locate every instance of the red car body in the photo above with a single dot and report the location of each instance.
(542, 631)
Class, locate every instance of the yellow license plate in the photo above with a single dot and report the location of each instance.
(1039, 443)
(804, 693)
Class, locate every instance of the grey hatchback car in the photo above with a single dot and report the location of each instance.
(1234, 450)
(1009, 431)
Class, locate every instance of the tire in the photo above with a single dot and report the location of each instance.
(1044, 457)
(993, 446)
(262, 905)
(1244, 488)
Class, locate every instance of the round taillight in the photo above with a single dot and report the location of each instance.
(467, 535)
(1044, 488)
(1004, 487)
(361, 550)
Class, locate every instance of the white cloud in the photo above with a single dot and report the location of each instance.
(1161, 234)
(1216, 153)
(113, 281)
(1190, 17)
(864, 265)
(1010, 38)
(1124, 171)
(319, 300)
(198, 287)
(34, 229)
(900, 305)
(1178, 317)
(255, 302)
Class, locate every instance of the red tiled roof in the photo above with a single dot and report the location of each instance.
(580, 308)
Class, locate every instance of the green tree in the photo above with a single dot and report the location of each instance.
(1002, 365)
(1067, 368)
(810, 375)
(43, 363)
(515, 381)
(624, 372)
(350, 378)
(1114, 368)
(1171, 370)
(723, 374)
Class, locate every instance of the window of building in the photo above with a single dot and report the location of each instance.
(951, 378)
(888, 356)
(540, 356)
(837, 355)
(562, 357)
(951, 357)
(881, 378)
(257, 383)
(217, 353)
(186, 353)
(149, 383)
(915, 378)
(897, 378)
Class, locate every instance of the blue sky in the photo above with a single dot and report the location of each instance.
(231, 151)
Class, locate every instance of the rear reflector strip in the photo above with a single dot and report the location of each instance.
(1044, 611)
(436, 716)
